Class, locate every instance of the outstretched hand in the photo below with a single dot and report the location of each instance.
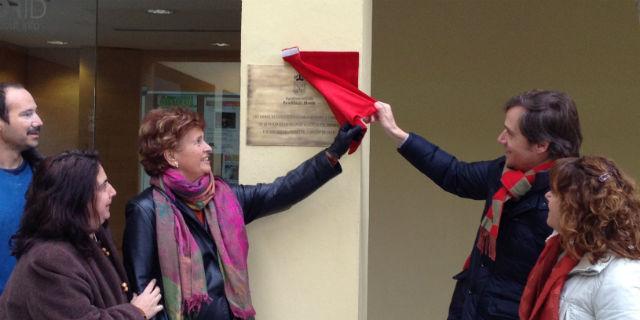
(344, 138)
(385, 117)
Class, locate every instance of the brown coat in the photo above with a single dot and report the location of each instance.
(53, 281)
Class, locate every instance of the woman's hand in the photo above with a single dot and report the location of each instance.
(346, 135)
(148, 300)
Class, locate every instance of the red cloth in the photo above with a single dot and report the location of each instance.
(335, 76)
(541, 297)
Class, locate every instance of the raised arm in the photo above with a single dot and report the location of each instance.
(468, 180)
(268, 198)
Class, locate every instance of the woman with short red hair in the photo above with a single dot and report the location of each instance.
(590, 266)
(188, 228)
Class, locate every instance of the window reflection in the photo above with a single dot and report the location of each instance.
(55, 61)
(96, 67)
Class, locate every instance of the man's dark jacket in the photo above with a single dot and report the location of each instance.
(140, 243)
(488, 289)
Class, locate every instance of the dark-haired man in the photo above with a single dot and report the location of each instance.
(539, 127)
(19, 133)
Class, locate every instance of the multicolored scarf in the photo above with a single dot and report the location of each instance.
(541, 297)
(515, 184)
(183, 274)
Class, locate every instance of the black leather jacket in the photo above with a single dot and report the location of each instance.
(140, 247)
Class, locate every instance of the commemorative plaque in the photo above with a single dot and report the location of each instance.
(285, 110)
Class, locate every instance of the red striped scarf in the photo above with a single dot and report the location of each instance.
(515, 184)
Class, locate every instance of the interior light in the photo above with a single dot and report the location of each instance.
(57, 42)
(160, 11)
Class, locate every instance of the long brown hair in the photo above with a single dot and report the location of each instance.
(599, 208)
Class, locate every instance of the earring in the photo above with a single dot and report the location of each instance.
(175, 164)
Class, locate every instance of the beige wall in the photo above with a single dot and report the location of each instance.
(305, 262)
(447, 67)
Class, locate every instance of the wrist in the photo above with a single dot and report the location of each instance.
(398, 135)
(333, 159)
(144, 315)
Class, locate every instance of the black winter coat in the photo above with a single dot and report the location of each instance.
(140, 245)
(488, 289)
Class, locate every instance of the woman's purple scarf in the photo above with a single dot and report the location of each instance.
(183, 277)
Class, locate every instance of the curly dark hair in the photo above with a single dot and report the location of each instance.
(161, 130)
(59, 201)
(599, 208)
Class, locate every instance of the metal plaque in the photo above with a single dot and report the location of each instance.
(285, 110)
